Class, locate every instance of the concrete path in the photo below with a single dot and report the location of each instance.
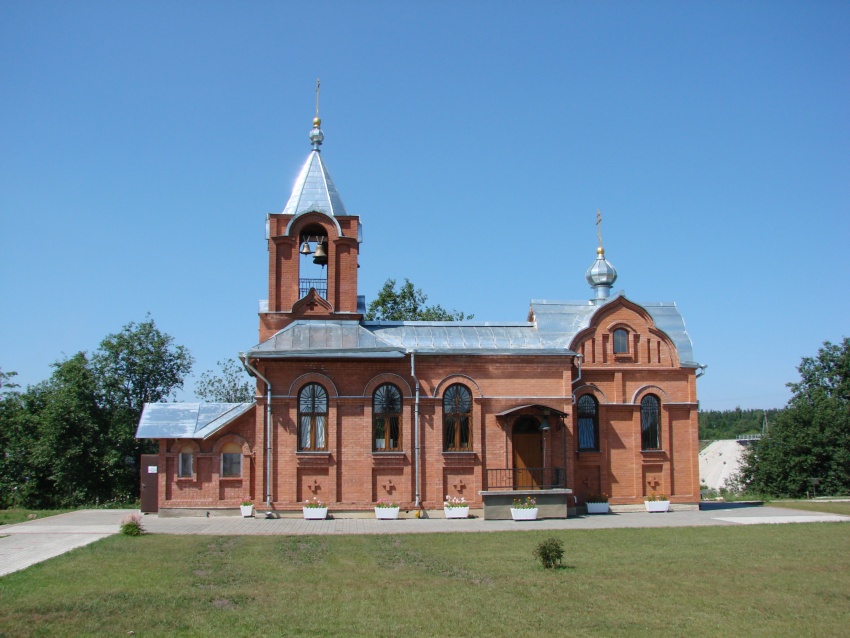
(36, 541)
(732, 514)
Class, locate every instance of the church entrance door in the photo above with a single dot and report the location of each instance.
(528, 453)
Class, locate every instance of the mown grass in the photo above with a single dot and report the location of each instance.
(815, 506)
(12, 516)
(769, 580)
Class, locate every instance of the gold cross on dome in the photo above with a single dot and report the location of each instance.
(599, 225)
(318, 84)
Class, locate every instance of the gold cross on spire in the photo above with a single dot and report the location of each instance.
(318, 84)
(599, 226)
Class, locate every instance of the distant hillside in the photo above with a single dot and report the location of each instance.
(728, 424)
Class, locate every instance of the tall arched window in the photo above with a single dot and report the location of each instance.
(457, 419)
(386, 418)
(312, 417)
(588, 423)
(650, 423)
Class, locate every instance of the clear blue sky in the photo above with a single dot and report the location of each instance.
(143, 143)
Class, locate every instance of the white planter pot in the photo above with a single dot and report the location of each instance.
(247, 511)
(657, 506)
(386, 513)
(597, 508)
(524, 513)
(315, 513)
(456, 512)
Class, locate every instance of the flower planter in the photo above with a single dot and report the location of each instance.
(456, 512)
(657, 506)
(524, 513)
(246, 510)
(597, 508)
(315, 513)
(386, 513)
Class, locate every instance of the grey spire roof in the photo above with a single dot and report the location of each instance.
(314, 189)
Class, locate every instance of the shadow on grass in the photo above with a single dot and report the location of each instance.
(734, 505)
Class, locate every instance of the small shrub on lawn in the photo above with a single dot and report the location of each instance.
(131, 525)
(550, 552)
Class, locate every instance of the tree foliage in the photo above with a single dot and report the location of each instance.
(408, 304)
(715, 425)
(70, 440)
(811, 438)
(232, 385)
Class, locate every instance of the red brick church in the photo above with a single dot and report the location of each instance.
(585, 397)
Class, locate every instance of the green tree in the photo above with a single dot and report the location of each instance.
(232, 385)
(811, 437)
(13, 442)
(141, 364)
(54, 437)
(408, 304)
(6, 383)
(728, 424)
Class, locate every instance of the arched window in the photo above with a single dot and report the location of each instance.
(185, 465)
(588, 423)
(386, 418)
(457, 419)
(650, 423)
(621, 341)
(312, 417)
(231, 460)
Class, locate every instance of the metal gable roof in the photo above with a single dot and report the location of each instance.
(187, 420)
(568, 318)
(324, 339)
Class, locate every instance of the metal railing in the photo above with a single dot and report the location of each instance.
(526, 478)
(321, 286)
(749, 437)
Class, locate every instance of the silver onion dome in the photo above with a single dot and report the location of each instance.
(316, 135)
(601, 275)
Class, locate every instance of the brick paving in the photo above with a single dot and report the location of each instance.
(35, 541)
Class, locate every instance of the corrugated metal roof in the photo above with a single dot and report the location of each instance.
(556, 325)
(324, 339)
(187, 420)
(445, 337)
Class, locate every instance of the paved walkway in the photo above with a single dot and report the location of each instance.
(36, 541)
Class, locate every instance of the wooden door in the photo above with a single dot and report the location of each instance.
(528, 453)
(150, 483)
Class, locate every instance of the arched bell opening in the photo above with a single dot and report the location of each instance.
(313, 248)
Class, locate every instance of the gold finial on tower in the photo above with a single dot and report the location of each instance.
(316, 120)
(600, 250)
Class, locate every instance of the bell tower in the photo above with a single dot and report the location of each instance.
(313, 247)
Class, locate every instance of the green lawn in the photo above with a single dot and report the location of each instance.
(9, 517)
(815, 506)
(766, 580)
